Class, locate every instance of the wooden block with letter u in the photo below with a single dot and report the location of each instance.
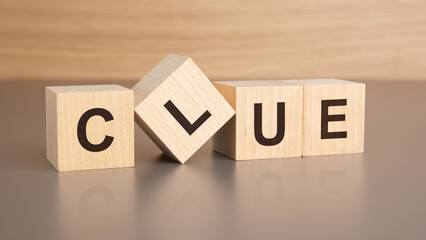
(89, 127)
(178, 107)
(333, 116)
(268, 120)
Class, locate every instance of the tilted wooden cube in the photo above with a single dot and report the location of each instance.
(333, 116)
(268, 120)
(89, 127)
(178, 107)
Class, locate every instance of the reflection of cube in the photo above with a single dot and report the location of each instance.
(89, 127)
(268, 120)
(178, 107)
(333, 116)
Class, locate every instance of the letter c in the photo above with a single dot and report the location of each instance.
(82, 134)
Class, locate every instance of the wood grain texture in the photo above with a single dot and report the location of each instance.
(237, 138)
(231, 40)
(317, 90)
(178, 80)
(65, 105)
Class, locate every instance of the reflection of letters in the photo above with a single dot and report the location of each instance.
(188, 198)
(325, 175)
(269, 177)
(84, 200)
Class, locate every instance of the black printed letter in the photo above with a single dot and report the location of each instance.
(81, 130)
(258, 125)
(325, 118)
(189, 128)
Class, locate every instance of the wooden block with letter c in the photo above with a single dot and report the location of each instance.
(89, 127)
(178, 107)
(268, 120)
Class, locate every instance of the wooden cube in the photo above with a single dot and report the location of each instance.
(333, 116)
(89, 127)
(178, 107)
(268, 120)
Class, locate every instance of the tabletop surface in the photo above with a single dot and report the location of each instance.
(379, 194)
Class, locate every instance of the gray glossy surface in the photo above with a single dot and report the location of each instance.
(380, 194)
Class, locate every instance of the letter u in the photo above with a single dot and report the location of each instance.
(280, 125)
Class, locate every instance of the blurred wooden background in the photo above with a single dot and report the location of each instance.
(228, 39)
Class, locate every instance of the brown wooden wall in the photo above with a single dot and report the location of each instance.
(228, 39)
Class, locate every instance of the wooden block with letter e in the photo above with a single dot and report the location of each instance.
(268, 120)
(333, 116)
(178, 107)
(89, 127)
